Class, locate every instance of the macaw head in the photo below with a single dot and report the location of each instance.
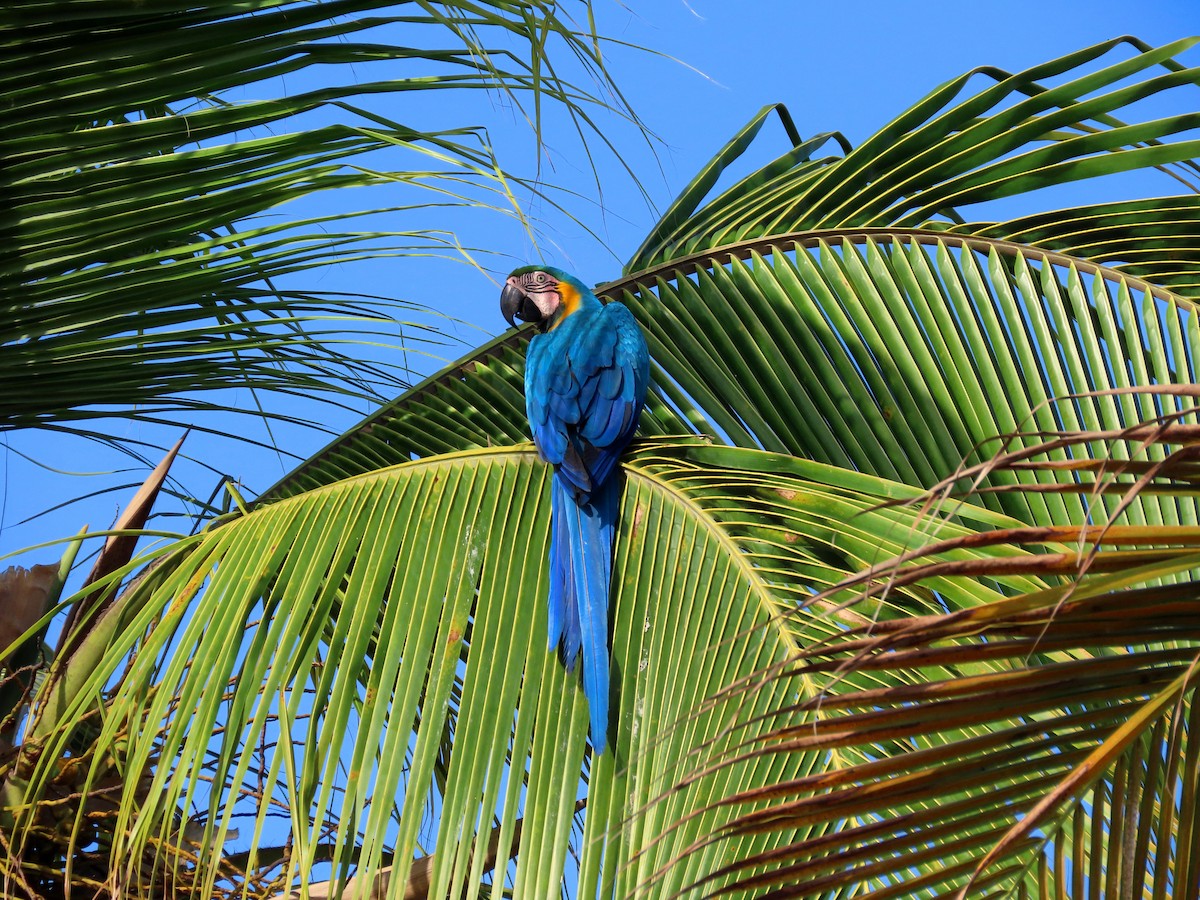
(541, 294)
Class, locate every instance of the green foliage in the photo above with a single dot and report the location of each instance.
(147, 150)
(903, 597)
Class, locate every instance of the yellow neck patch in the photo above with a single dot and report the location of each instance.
(568, 302)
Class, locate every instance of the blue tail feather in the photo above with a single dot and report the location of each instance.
(561, 591)
(580, 621)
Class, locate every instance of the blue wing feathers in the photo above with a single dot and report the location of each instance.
(611, 381)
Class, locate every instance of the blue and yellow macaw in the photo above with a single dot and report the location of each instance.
(585, 382)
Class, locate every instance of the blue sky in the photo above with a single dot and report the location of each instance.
(711, 65)
(847, 67)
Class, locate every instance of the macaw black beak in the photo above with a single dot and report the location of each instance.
(515, 302)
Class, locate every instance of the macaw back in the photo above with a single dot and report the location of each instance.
(585, 384)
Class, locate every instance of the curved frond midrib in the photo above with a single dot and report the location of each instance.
(809, 238)
(768, 600)
(503, 351)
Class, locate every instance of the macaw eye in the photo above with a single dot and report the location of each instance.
(537, 280)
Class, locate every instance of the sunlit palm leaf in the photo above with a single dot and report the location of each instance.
(874, 352)
(137, 173)
(1057, 122)
(1072, 763)
(886, 352)
(1155, 239)
(476, 402)
(360, 627)
(362, 654)
(888, 349)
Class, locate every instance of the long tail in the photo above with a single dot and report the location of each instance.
(581, 553)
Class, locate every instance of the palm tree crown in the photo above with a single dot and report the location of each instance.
(903, 594)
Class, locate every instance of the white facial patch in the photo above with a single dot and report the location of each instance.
(547, 301)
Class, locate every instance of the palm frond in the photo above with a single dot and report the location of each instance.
(983, 136)
(1061, 758)
(879, 351)
(139, 177)
(478, 401)
(906, 607)
(321, 677)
